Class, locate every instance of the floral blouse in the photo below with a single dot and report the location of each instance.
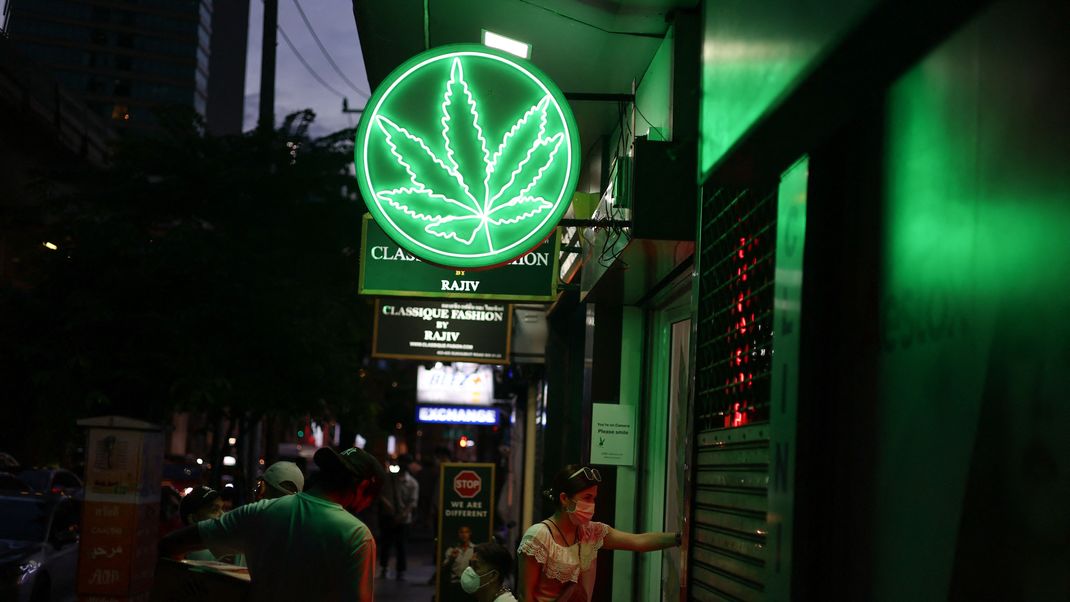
(568, 572)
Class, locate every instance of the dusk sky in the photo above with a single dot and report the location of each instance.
(295, 87)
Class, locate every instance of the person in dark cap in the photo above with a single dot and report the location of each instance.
(200, 504)
(203, 503)
(306, 546)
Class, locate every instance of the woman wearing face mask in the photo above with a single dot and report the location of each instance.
(485, 576)
(558, 554)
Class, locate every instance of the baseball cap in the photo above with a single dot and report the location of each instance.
(353, 460)
(285, 477)
(195, 500)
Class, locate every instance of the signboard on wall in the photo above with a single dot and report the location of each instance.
(387, 269)
(466, 511)
(467, 156)
(787, 315)
(443, 331)
(459, 382)
(612, 434)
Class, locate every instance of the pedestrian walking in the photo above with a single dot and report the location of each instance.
(558, 554)
(306, 546)
(401, 493)
(489, 568)
(441, 456)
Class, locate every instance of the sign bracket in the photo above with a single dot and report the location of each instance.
(594, 223)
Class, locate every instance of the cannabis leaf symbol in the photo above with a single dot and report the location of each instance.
(456, 184)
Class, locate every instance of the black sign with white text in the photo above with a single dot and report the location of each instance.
(466, 331)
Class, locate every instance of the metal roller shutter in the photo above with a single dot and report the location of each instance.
(730, 478)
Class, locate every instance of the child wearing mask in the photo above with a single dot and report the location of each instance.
(487, 572)
(558, 554)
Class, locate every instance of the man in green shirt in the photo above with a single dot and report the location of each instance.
(307, 546)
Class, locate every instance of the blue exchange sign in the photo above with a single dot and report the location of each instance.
(456, 415)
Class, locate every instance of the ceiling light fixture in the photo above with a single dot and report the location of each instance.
(509, 45)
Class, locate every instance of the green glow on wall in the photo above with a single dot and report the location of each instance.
(975, 281)
(467, 157)
(754, 54)
(653, 97)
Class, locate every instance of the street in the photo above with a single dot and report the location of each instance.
(415, 586)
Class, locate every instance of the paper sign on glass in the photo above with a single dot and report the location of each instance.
(612, 434)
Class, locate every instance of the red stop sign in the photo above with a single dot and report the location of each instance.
(467, 483)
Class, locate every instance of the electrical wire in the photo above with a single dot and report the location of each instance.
(656, 128)
(326, 54)
(607, 256)
(616, 213)
(322, 81)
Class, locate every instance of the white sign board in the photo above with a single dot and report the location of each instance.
(612, 434)
(459, 383)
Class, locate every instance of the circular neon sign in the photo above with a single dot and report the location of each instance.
(467, 157)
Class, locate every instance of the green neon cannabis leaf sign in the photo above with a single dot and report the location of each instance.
(467, 157)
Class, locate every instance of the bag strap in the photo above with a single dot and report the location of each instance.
(561, 533)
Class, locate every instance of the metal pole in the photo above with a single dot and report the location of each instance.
(267, 66)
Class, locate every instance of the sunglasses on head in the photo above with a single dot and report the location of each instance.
(591, 474)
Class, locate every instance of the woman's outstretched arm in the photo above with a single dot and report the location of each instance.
(639, 542)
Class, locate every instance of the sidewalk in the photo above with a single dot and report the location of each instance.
(415, 587)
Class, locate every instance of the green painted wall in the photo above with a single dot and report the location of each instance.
(973, 457)
(753, 53)
(631, 359)
(654, 100)
(653, 96)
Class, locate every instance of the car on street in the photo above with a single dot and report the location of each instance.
(53, 480)
(38, 547)
(10, 483)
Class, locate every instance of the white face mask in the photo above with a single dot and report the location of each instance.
(581, 512)
(471, 582)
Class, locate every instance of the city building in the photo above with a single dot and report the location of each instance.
(226, 73)
(128, 59)
(43, 128)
